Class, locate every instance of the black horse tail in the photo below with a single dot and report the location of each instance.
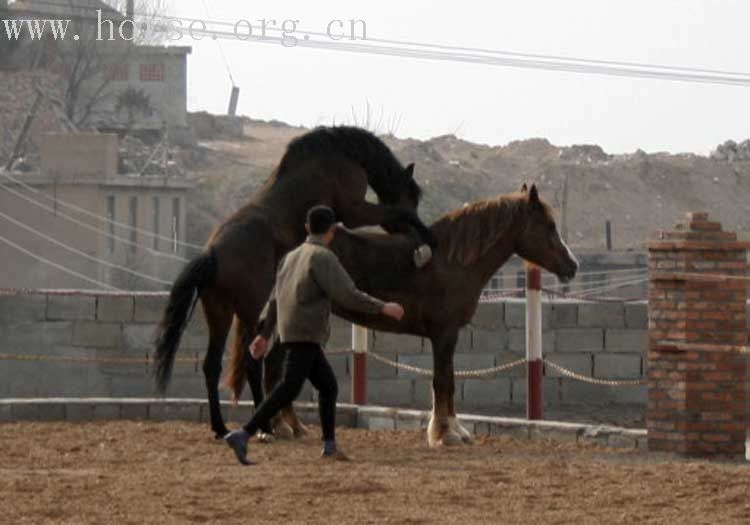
(185, 293)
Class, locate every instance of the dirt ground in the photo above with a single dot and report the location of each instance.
(147, 472)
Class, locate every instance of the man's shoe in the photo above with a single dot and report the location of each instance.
(336, 455)
(237, 441)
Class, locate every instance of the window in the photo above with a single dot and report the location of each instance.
(156, 223)
(176, 224)
(117, 72)
(111, 223)
(152, 72)
(133, 213)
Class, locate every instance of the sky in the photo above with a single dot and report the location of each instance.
(483, 103)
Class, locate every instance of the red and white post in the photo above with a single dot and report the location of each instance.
(534, 363)
(359, 365)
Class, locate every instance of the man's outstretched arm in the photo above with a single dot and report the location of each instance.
(336, 282)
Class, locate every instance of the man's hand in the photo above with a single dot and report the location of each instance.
(394, 310)
(259, 347)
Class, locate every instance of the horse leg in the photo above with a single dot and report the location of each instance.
(219, 320)
(253, 367)
(395, 215)
(370, 214)
(286, 424)
(439, 431)
(290, 418)
(273, 363)
(457, 427)
(453, 423)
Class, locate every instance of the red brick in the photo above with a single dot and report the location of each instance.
(696, 216)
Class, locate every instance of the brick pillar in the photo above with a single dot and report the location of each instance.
(697, 330)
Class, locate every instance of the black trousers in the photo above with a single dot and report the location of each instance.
(302, 361)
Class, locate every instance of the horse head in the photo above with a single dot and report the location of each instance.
(540, 242)
(406, 197)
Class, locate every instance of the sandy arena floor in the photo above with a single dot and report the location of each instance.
(175, 473)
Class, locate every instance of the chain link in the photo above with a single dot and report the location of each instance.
(463, 373)
(591, 380)
(92, 360)
(78, 293)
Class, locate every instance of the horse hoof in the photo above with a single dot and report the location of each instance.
(300, 431)
(265, 437)
(450, 439)
(422, 256)
(283, 431)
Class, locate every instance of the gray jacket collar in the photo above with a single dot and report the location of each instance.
(316, 239)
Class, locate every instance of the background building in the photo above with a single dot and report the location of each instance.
(123, 230)
(97, 74)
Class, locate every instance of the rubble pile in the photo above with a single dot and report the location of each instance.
(731, 151)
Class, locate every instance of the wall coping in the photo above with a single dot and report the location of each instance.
(368, 417)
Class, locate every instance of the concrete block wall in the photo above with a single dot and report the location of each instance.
(606, 341)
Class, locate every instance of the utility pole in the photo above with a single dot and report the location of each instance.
(233, 100)
(564, 210)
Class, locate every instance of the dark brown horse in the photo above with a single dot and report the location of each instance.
(440, 299)
(234, 274)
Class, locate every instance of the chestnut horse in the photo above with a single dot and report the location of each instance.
(441, 298)
(234, 274)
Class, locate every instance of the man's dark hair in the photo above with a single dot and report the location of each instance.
(320, 219)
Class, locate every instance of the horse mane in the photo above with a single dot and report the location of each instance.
(468, 233)
(384, 171)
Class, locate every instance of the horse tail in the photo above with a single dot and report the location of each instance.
(236, 372)
(183, 297)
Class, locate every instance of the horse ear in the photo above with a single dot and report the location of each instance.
(409, 171)
(524, 188)
(533, 195)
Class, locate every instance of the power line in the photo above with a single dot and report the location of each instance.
(616, 271)
(605, 281)
(88, 226)
(601, 289)
(81, 253)
(490, 51)
(548, 65)
(221, 48)
(600, 277)
(616, 274)
(482, 56)
(58, 266)
(88, 213)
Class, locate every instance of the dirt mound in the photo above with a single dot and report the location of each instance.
(638, 193)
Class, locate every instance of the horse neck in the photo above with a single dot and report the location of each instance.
(488, 264)
(378, 172)
(481, 271)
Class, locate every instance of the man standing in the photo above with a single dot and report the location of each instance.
(309, 278)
